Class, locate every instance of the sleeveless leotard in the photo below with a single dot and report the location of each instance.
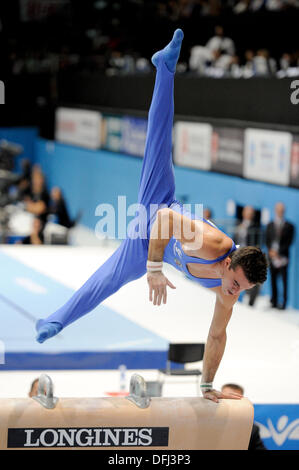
(174, 253)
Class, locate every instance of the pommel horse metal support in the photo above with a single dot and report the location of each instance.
(135, 422)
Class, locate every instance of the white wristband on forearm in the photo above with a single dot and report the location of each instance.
(154, 266)
(206, 387)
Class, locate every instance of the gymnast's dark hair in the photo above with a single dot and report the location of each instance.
(253, 262)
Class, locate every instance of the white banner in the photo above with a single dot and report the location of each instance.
(78, 127)
(267, 156)
(192, 145)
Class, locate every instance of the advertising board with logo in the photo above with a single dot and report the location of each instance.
(111, 135)
(78, 127)
(87, 437)
(192, 145)
(133, 135)
(279, 425)
(228, 150)
(267, 156)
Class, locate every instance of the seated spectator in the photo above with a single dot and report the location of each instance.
(36, 236)
(38, 199)
(263, 64)
(248, 5)
(58, 209)
(248, 67)
(219, 48)
(24, 181)
(221, 42)
(234, 68)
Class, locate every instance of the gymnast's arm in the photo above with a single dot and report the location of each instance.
(168, 224)
(216, 342)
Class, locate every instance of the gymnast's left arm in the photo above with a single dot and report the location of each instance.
(215, 347)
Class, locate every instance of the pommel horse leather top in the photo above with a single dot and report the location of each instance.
(136, 422)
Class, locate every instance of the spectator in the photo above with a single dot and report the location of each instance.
(221, 42)
(36, 237)
(58, 209)
(219, 48)
(248, 67)
(248, 230)
(247, 233)
(234, 68)
(279, 237)
(207, 214)
(263, 64)
(24, 181)
(255, 442)
(38, 200)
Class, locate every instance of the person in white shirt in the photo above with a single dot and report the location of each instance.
(216, 46)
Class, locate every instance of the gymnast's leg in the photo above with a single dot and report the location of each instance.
(126, 264)
(156, 186)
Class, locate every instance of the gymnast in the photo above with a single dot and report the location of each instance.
(175, 236)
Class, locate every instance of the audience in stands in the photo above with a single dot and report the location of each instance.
(108, 44)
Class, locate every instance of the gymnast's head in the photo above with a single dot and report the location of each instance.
(243, 269)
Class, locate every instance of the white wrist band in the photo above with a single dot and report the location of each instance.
(154, 266)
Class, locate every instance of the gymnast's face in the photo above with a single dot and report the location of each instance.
(234, 281)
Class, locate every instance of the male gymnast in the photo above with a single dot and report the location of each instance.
(202, 252)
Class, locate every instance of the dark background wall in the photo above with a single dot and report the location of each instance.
(259, 99)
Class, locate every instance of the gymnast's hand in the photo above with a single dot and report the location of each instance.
(214, 395)
(158, 284)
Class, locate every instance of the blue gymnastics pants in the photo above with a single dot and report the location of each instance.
(157, 186)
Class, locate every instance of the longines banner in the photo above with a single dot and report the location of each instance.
(192, 145)
(228, 150)
(278, 425)
(87, 437)
(78, 127)
(267, 156)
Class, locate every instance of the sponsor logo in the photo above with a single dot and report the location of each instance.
(283, 431)
(87, 437)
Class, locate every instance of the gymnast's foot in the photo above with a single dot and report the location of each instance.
(47, 330)
(171, 52)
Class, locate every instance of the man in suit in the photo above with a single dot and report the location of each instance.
(279, 237)
(255, 442)
(247, 233)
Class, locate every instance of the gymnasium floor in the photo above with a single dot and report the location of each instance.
(262, 351)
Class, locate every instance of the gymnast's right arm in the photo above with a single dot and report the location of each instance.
(168, 224)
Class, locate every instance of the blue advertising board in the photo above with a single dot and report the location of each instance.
(279, 425)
